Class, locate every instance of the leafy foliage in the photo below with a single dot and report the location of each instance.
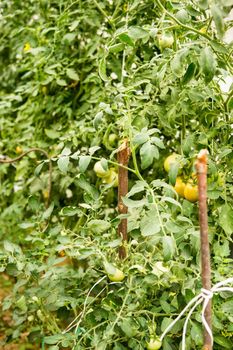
(78, 77)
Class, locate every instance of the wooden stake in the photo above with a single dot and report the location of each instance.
(123, 155)
(201, 167)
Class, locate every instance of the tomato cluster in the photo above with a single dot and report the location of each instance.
(185, 189)
(108, 176)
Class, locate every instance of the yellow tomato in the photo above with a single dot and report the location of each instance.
(112, 178)
(18, 150)
(179, 187)
(154, 344)
(100, 171)
(173, 158)
(117, 277)
(191, 192)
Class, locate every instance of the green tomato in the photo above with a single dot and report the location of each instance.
(100, 171)
(118, 276)
(112, 138)
(111, 178)
(165, 41)
(154, 344)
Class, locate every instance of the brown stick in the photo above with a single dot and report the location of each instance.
(201, 167)
(123, 155)
(35, 149)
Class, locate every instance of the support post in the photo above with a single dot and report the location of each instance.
(201, 168)
(123, 155)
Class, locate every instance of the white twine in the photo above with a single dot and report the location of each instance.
(205, 296)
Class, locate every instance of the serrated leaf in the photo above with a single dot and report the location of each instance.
(84, 161)
(70, 211)
(98, 226)
(138, 187)
(140, 138)
(150, 224)
(52, 134)
(208, 63)
(125, 38)
(87, 187)
(48, 212)
(70, 72)
(61, 82)
(137, 33)
(63, 163)
(147, 153)
(53, 339)
(39, 168)
(218, 19)
(97, 120)
(169, 247)
(226, 218)
(178, 65)
(130, 203)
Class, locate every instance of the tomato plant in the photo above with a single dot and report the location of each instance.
(78, 78)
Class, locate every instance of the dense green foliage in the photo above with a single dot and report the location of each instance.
(78, 77)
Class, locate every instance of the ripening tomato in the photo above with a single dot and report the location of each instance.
(118, 276)
(191, 192)
(179, 186)
(173, 158)
(112, 178)
(100, 171)
(18, 150)
(154, 344)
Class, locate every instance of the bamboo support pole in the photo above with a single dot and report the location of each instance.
(123, 155)
(201, 168)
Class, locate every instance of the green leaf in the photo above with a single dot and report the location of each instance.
(226, 218)
(196, 333)
(208, 63)
(52, 134)
(130, 203)
(63, 163)
(48, 212)
(147, 153)
(137, 33)
(139, 186)
(70, 72)
(84, 161)
(128, 326)
(126, 39)
(99, 226)
(116, 48)
(140, 138)
(218, 19)
(87, 187)
(223, 341)
(178, 65)
(169, 247)
(102, 69)
(189, 74)
(109, 268)
(227, 307)
(150, 224)
(61, 82)
(53, 339)
(70, 211)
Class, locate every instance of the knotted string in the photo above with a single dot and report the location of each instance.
(204, 297)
